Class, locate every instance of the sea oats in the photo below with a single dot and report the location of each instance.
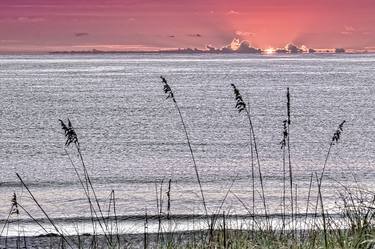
(285, 134)
(169, 92)
(337, 135)
(14, 209)
(70, 134)
(240, 104)
(167, 89)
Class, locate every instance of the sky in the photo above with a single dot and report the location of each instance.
(57, 25)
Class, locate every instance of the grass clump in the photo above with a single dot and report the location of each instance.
(354, 228)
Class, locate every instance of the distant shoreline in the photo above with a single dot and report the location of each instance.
(183, 52)
(192, 52)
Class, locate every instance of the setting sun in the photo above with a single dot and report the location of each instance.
(270, 50)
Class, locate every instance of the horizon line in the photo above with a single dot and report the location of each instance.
(197, 51)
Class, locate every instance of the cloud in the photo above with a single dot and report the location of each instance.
(23, 19)
(304, 48)
(291, 48)
(80, 34)
(211, 48)
(28, 19)
(233, 12)
(116, 47)
(244, 47)
(339, 50)
(195, 35)
(238, 46)
(10, 41)
(234, 45)
(244, 33)
(348, 30)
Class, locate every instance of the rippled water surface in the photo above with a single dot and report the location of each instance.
(132, 138)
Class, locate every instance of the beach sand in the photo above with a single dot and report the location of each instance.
(86, 241)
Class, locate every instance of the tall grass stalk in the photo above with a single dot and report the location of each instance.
(85, 189)
(13, 210)
(33, 218)
(112, 208)
(217, 213)
(72, 138)
(145, 239)
(283, 146)
(296, 207)
(43, 211)
(116, 219)
(252, 172)
(323, 213)
(170, 94)
(169, 199)
(289, 157)
(308, 198)
(158, 208)
(224, 231)
(335, 139)
(241, 106)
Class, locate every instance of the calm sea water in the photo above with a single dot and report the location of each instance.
(132, 137)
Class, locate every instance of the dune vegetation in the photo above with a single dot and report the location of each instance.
(315, 228)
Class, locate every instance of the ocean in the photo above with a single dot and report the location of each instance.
(132, 138)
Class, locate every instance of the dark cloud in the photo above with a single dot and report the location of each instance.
(80, 34)
(311, 50)
(293, 49)
(195, 35)
(245, 47)
(339, 50)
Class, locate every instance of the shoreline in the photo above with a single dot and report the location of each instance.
(155, 224)
(181, 53)
(180, 239)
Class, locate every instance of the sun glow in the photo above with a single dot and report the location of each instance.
(269, 51)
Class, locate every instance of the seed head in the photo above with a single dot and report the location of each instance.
(285, 134)
(337, 134)
(167, 89)
(240, 104)
(14, 209)
(70, 134)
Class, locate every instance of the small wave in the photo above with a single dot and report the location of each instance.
(174, 217)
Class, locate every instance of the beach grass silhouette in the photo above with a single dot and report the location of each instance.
(354, 228)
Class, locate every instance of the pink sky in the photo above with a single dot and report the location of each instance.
(45, 25)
